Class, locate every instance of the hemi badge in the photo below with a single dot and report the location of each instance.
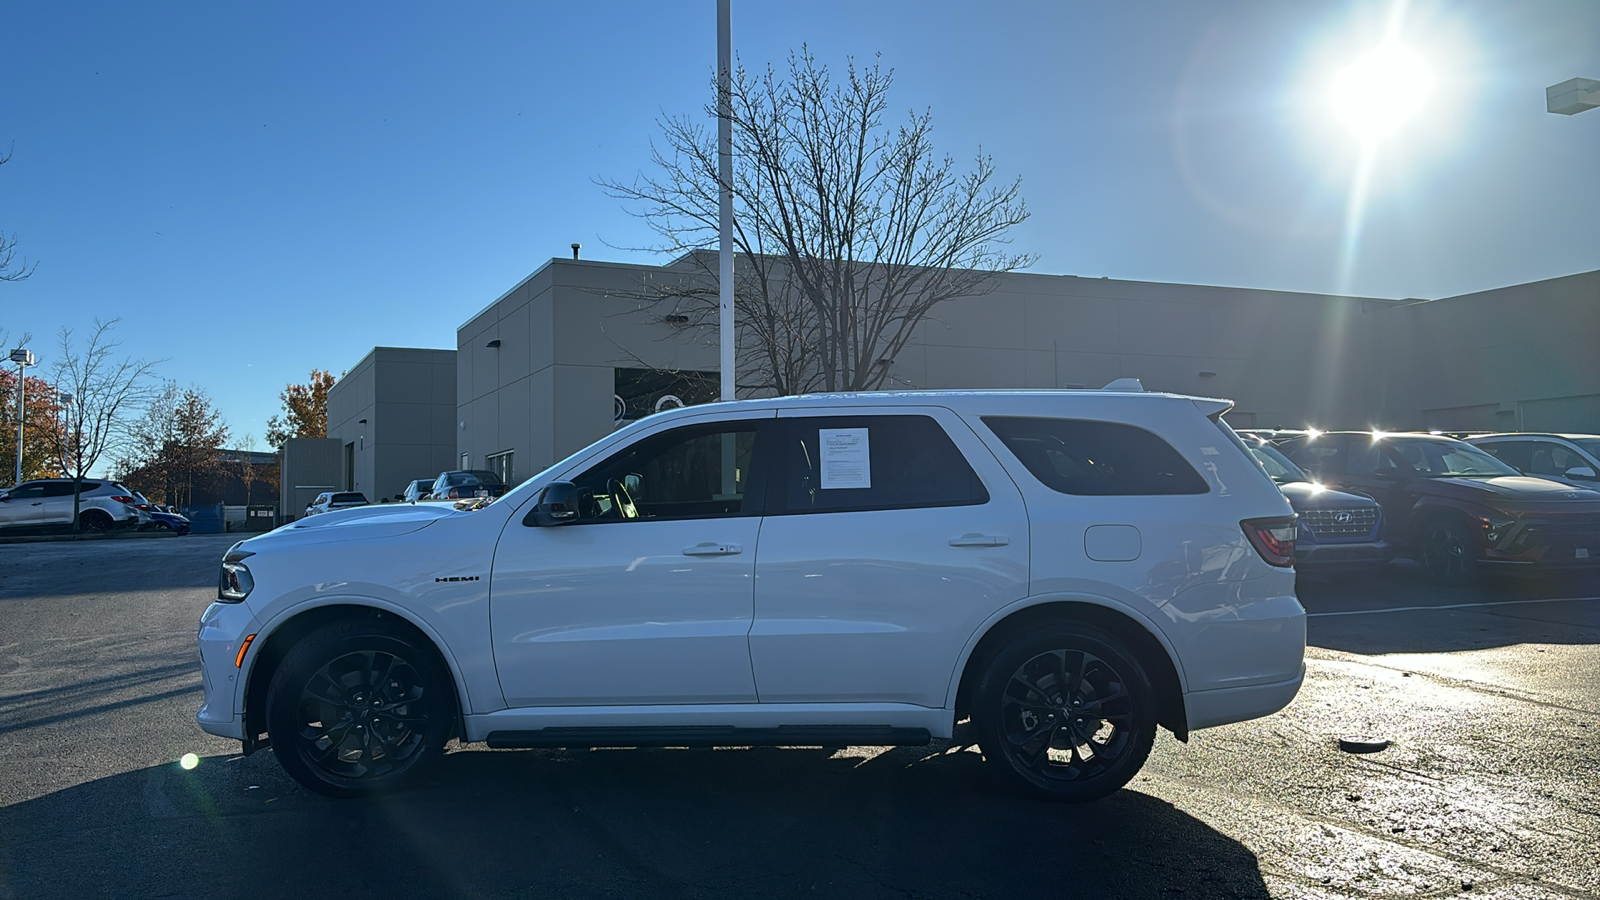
(457, 578)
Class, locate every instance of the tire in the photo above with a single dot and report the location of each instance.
(390, 700)
(1038, 735)
(1449, 554)
(95, 521)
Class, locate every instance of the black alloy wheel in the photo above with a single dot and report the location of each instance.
(357, 708)
(1448, 554)
(1068, 713)
(94, 521)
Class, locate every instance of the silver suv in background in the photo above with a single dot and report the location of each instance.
(328, 501)
(103, 505)
(1572, 459)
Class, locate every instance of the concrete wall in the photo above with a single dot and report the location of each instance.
(307, 467)
(545, 389)
(1523, 356)
(408, 399)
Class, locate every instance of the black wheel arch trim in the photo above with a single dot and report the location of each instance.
(277, 637)
(1144, 638)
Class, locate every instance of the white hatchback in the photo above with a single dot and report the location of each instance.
(1063, 570)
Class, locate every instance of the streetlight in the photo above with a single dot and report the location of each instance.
(64, 400)
(1572, 96)
(23, 359)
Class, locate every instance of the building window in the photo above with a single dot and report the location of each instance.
(501, 464)
(466, 461)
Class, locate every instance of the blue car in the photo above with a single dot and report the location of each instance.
(1337, 528)
(172, 521)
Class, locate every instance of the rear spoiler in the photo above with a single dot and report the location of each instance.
(1212, 409)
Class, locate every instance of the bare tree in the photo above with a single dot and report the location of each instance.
(12, 268)
(107, 390)
(849, 230)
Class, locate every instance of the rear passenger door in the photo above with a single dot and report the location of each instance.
(57, 508)
(890, 535)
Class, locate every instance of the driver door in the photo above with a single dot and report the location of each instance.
(23, 507)
(648, 597)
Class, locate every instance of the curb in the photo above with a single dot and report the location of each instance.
(113, 536)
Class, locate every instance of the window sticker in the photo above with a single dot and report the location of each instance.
(846, 458)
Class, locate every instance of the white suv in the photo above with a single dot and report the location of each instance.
(1066, 569)
(47, 503)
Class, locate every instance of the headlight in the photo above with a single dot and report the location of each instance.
(235, 583)
(1495, 527)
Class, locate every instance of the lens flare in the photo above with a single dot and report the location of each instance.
(189, 761)
(1380, 92)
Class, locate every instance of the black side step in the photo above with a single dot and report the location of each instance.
(714, 736)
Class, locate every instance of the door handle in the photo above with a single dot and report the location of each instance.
(980, 540)
(709, 549)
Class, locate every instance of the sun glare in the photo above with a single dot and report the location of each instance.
(1377, 94)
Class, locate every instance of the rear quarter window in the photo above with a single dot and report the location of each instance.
(1094, 458)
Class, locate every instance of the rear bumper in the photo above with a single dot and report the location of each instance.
(1223, 706)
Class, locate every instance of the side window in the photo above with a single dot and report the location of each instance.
(1091, 458)
(698, 471)
(1366, 457)
(1516, 454)
(857, 463)
(28, 492)
(1323, 457)
(60, 489)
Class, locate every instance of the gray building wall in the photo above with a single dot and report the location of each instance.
(306, 468)
(1517, 357)
(407, 398)
(545, 389)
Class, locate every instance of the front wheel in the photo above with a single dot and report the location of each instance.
(358, 707)
(1066, 712)
(1449, 555)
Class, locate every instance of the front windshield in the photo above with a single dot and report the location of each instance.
(1278, 466)
(1447, 459)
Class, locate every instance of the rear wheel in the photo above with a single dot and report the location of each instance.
(1066, 712)
(1449, 555)
(95, 521)
(358, 707)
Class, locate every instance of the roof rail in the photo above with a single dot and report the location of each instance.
(1127, 385)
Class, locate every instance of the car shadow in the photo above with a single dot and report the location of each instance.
(1398, 609)
(918, 822)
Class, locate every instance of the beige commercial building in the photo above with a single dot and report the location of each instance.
(562, 357)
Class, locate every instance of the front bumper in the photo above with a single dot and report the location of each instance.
(223, 629)
(1310, 555)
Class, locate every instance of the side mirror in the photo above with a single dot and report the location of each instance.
(558, 505)
(1584, 472)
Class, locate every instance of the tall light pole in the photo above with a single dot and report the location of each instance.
(725, 176)
(23, 359)
(64, 400)
(1572, 96)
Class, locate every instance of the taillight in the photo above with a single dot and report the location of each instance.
(120, 498)
(1273, 538)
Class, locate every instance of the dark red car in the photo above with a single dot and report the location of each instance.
(1454, 507)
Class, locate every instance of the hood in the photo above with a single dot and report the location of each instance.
(361, 523)
(1521, 487)
(1309, 495)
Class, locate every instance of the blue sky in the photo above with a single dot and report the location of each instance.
(259, 189)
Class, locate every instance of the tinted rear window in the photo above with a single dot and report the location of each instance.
(1089, 458)
(349, 498)
(857, 463)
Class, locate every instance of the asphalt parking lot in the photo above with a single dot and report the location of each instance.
(1490, 695)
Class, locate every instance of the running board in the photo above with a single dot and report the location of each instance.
(713, 736)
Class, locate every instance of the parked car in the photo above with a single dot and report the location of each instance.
(417, 490)
(45, 503)
(327, 501)
(1336, 528)
(1454, 507)
(467, 483)
(1572, 459)
(1069, 568)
